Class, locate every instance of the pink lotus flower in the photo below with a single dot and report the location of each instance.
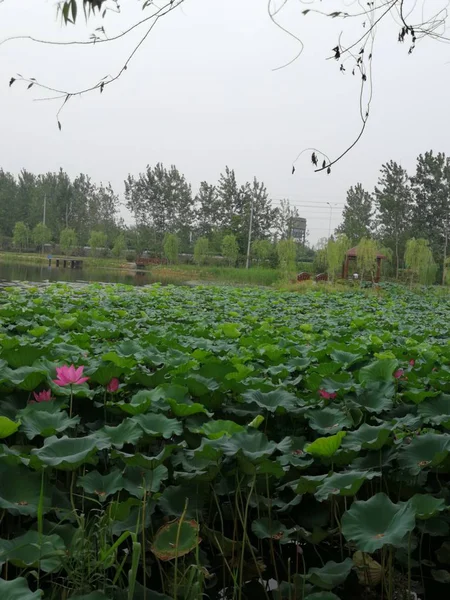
(327, 395)
(412, 362)
(113, 385)
(398, 373)
(70, 376)
(44, 396)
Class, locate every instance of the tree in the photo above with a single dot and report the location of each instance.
(394, 204)
(230, 249)
(201, 251)
(419, 260)
(41, 235)
(97, 242)
(284, 214)
(335, 252)
(367, 257)
(68, 240)
(120, 245)
(286, 251)
(21, 235)
(171, 245)
(262, 250)
(357, 215)
(431, 212)
(208, 210)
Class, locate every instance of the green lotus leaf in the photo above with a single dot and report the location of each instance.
(443, 553)
(138, 482)
(376, 522)
(34, 550)
(440, 575)
(10, 456)
(343, 484)
(345, 358)
(157, 425)
(378, 371)
(92, 596)
(326, 446)
(22, 356)
(266, 528)
(8, 427)
(376, 397)
(426, 505)
(369, 437)
(331, 574)
(45, 420)
(128, 432)
(66, 453)
(173, 501)
(185, 410)
(278, 400)
(252, 443)
(418, 395)
(122, 362)
(20, 491)
(102, 486)
(104, 372)
(307, 484)
(146, 462)
(322, 596)
(296, 456)
(17, 589)
(128, 516)
(175, 539)
(217, 429)
(436, 410)
(425, 451)
(328, 420)
(25, 378)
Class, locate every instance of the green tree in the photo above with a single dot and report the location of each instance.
(41, 235)
(68, 240)
(262, 250)
(335, 252)
(97, 242)
(367, 257)
(357, 214)
(21, 235)
(419, 260)
(286, 251)
(394, 205)
(230, 249)
(201, 251)
(431, 214)
(120, 245)
(171, 248)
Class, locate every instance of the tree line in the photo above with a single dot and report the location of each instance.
(403, 207)
(53, 208)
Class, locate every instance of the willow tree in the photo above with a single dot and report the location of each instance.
(335, 253)
(419, 260)
(366, 257)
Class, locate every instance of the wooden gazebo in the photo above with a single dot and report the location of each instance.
(352, 255)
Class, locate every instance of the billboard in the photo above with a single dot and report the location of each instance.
(298, 229)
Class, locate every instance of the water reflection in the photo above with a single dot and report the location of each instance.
(38, 273)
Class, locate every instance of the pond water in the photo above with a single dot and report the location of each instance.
(38, 273)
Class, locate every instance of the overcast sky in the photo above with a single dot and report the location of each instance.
(202, 93)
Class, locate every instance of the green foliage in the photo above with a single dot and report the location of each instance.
(120, 246)
(171, 246)
(201, 251)
(21, 235)
(357, 215)
(335, 255)
(367, 257)
(230, 249)
(247, 422)
(286, 250)
(68, 240)
(41, 235)
(419, 260)
(262, 250)
(97, 242)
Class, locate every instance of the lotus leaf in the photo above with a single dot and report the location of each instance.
(33, 550)
(176, 539)
(425, 451)
(331, 574)
(376, 522)
(45, 420)
(328, 420)
(102, 485)
(67, 453)
(8, 427)
(426, 505)
(22, 491)
(343, 484)
(157, 425)
(326, 446)
(369, 437)
(17, 589)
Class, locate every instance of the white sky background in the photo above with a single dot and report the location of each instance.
(201, 94)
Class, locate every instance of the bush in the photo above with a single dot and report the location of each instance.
(171, 248)
(201, 251)
(230, 249)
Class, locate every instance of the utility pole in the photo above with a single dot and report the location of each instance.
(45, 207)
(331, 214)
(247, 264)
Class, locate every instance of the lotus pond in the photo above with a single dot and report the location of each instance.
(227, 444)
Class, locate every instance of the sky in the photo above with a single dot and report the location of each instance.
(204, 91)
